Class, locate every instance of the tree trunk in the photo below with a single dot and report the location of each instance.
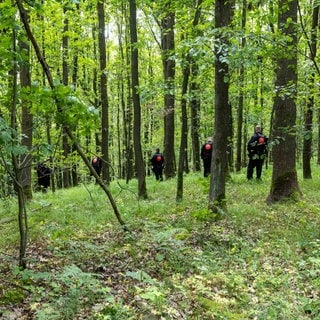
(65, 142)
(140, 168)
(184, 131)
(16, 175)
(222, 134)
(241, 94)
(26, 122)
(195, 100)
(308, 116)
(167, 46)
(195, 115)
(284, 176)
(103, 94)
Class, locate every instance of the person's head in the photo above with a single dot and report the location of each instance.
(157, 150)
(210, 140)
(257, 128)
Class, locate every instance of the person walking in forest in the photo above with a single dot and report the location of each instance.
(157, 163)
(257, 152)
(97, 165)
(206, 155)
(44, 174)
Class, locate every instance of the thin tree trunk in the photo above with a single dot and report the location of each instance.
(195, 100)
(184, 132)
(26, 123)
(22, 214)
(167, 44)
(65, 142)
(308, 116)
(241, 94)
(140, 168)
(103, 93)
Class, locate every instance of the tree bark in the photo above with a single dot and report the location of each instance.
(16, 174)
(184, 131)
(168, 47)
(241, 94)
(222, 134)
(66, 173)
(103, 93)
(195, 100)
(308, 116)
(140, 167)
(26, 121)
(284, 183)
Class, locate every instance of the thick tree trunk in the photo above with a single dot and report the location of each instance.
(222, 134)
(284, 176)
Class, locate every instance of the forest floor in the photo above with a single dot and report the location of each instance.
(174, 262)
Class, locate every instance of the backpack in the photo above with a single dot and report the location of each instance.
(261, 144)
(206, 151)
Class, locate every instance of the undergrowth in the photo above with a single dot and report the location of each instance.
(175, 262)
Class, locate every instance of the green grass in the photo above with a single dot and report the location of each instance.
(176, 261)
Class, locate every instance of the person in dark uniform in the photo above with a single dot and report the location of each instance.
(206, 156)
(157, 163)
(257, 152)
(97, 165)
(43, 174)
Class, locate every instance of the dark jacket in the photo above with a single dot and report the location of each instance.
(206, 151)
(257, 146)
(157, 161)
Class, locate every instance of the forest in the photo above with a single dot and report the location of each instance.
(116, 80)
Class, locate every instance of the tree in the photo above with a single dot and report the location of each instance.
(284, 176)
(310, 104)
(188, 62)
(16, 172)
(103, 93)
(27, 120)
(184, 130)
(194, 94)
(222, 133)
(168, 61)
(65, 80)
(239, 161)
(140, 168)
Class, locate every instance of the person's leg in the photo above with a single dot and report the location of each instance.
(207, 167)
(259, 168)
(160, 175)
(250, 168)
(156, 172)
